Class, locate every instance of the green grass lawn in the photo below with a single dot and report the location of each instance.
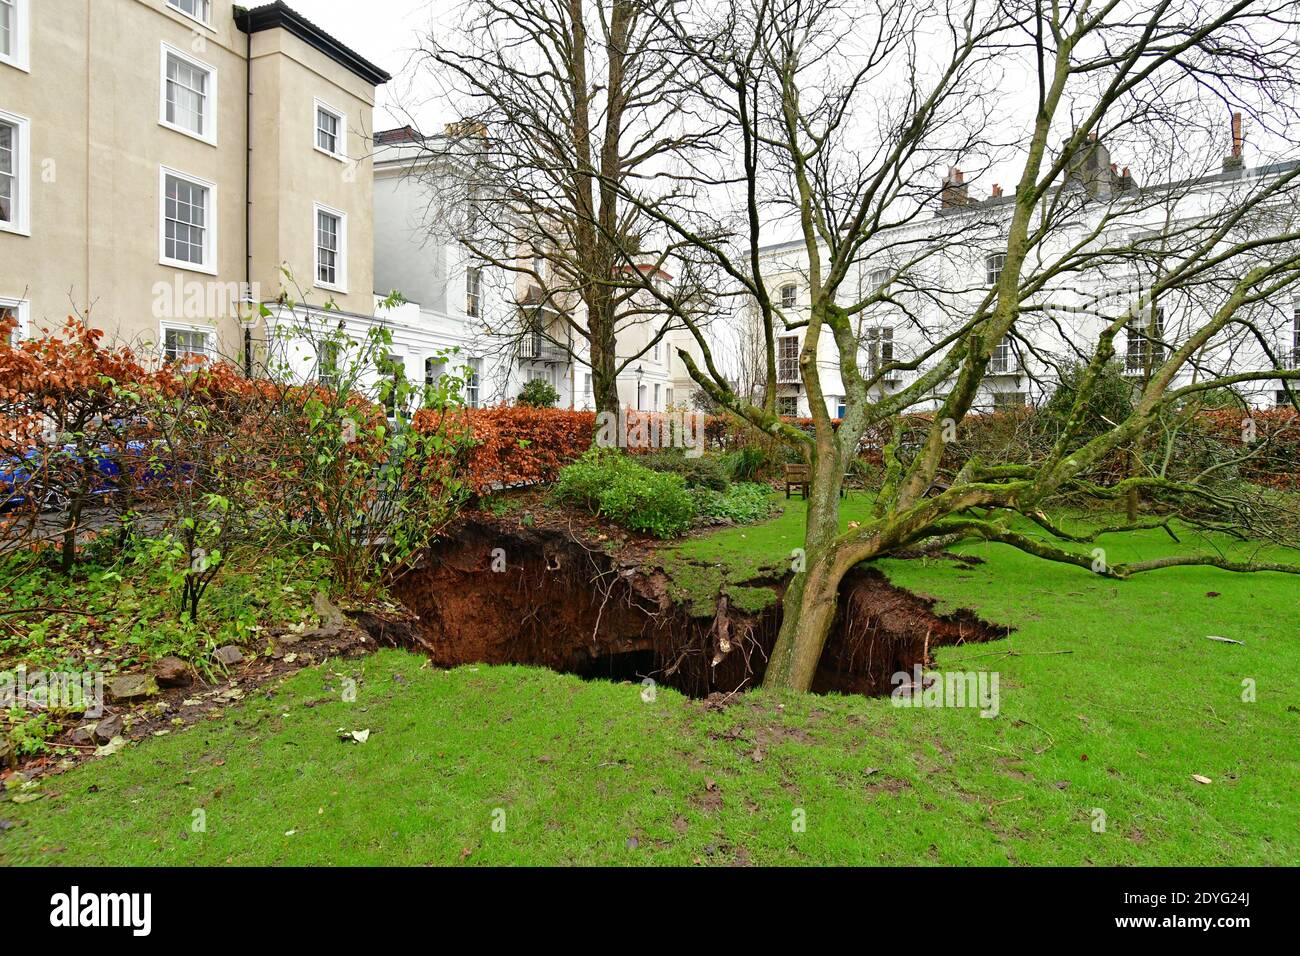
(1111, 699)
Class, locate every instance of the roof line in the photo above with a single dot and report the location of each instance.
(280, 14)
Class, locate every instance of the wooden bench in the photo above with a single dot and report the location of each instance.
(796, 476)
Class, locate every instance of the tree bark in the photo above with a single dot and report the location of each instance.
(808, 609)
(69, 556)
(604, 357)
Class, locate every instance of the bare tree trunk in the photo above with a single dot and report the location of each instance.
(76, 505)
(604, 377)
(604, 358)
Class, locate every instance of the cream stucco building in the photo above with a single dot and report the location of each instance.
(162, 161)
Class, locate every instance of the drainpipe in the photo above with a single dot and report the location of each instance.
(248, 205)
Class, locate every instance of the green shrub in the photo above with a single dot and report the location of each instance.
(742, 503)
(1111, 400)
(745, 463)
(539, 394)
(615, 486)
(703, 472)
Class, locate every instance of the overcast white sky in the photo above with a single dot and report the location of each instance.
(385, 32)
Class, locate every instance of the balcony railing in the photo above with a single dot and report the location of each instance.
(537, 348)
(878, 360)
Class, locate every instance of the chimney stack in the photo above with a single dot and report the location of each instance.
(1091, 168)
(403, 134)
(955, 191)
(463, 129)
(997, 191)
(1235, 160)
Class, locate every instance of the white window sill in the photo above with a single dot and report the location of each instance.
(210, 140)
(187, 266)
(191, 19)
(340, 289)
(16, 63)
(337, 157)
(16, 228)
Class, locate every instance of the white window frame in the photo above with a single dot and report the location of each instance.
(328, 361)
(340, 283)
(393, 369)
(20, 57)
(474, 291)
(1004, 360)
(880, 348)
(23, 308)
(22, 225)
(209, 265)
(209, 134)
(208, 331)
(793, 289)
(435, 369)
(473, 369)
(994, 264)
(783, 375)
(341, 138)
(1141, 346)
(174, 6)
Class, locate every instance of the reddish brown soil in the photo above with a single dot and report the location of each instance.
(882, 629)
(561, 601)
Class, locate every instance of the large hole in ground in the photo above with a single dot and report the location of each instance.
(562, 605)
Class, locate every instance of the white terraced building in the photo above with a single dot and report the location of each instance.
(456, 302)
(1066, 319)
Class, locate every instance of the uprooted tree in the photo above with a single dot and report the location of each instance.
(832, 121)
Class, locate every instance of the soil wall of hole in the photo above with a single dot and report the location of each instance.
(554, 602)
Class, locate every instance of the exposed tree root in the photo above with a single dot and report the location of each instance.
(556, 603)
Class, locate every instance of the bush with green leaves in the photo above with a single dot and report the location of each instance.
(615, 486)
(705, 471)
(742, 503)
(1110, 400)
(363, 486)
(539, 394)
(745, 463)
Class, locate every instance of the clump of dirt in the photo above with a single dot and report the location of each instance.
(503, 592)
(881, 629)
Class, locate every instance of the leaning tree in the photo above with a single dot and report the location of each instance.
(830, 120)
